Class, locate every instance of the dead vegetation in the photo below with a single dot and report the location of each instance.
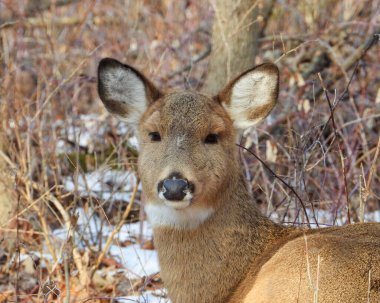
(63, 156)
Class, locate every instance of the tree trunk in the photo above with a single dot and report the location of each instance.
(236, 29)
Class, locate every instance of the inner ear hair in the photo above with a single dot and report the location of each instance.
(224, 96)
(251, 96)
(124, 90)
(109, 63)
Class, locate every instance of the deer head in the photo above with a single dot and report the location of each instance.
(188, 158)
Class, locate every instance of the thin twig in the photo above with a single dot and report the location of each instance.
(67, 278)
(281, 180)
(345, 185)
(63, 82)
(193, 61)
(18, 251)
(351, 61)
(339, 147)
(369, 286)
(117, 228)
(373, 165)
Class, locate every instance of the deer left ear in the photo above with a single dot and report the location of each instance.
(250, 97)
(125, 92)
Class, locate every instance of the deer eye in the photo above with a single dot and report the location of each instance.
(155, 136)
(212, 139)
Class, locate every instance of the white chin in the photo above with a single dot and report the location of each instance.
(176, 214)
(177, 204)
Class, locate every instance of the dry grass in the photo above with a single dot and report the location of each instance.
(322, 139)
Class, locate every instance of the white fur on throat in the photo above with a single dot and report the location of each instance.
(161, 215)
(251, 91)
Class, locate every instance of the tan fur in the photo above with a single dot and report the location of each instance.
(235, 254)
(348, 270)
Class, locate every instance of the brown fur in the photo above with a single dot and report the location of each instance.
(206, 264)
(237, 254)
(287, 272)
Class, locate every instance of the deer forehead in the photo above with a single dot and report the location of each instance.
(180, 112)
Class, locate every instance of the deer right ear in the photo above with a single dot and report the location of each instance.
(124, 91)
(250, 97)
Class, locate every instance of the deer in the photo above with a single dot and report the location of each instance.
(213, 243)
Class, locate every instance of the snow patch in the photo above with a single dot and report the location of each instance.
(105, 184)
(146, 297)
(139, 262)
(325, 218)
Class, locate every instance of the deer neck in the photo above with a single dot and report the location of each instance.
(205, 264)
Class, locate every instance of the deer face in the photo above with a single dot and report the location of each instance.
(188, 157)
(186, 150)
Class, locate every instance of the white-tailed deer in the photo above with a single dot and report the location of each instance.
(213, 243)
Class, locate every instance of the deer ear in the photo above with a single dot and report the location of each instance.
(125, 92)
(250, 97)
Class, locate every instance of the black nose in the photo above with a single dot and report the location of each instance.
(174, 189)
